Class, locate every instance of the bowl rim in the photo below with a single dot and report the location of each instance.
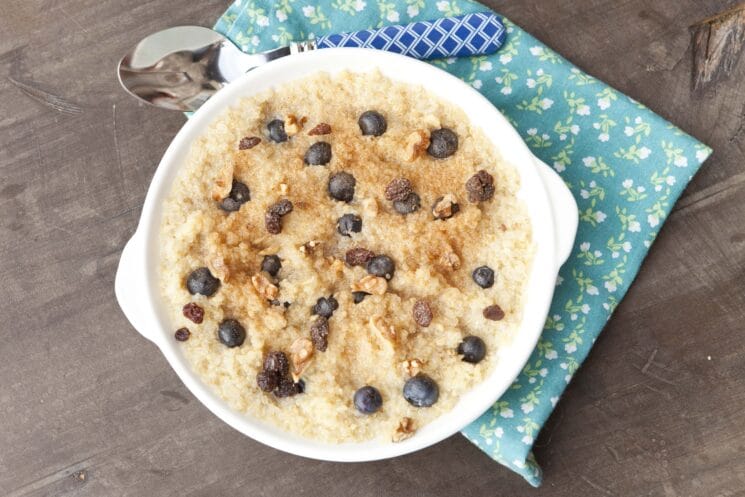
(538, 291)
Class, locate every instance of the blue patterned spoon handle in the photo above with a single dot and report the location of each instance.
(471, 34)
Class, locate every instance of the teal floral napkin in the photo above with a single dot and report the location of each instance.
(625, 165)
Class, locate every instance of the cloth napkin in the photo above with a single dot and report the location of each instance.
(625, 165)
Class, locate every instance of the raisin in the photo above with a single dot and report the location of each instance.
(281, 208)
(267, 380)
(358, 256)
(287, 388)
(398, 189)
(273, 223)
(248, 142)
(494, 313)
(277, 362)
(320, 129)
(182, 334)
(422, 313)
(193, 312)
(319, 333)
(480, 187)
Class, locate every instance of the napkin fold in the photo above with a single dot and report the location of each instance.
(625, 165)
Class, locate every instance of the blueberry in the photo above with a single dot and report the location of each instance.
(442, 143)
(277, 131)
(421, 391)
(341, 186)
(381, 265)
(288, 388)
(359, 296)
(271, 264)
(348, 224)
(408, 205)
(483, 276)
(239, 195)
(325, 306)
(318, 154)
(231, 333)
(367, 400)
(372, 123)
(473, 349)
(202, 282)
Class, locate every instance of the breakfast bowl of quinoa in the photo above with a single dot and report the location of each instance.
(347, 254)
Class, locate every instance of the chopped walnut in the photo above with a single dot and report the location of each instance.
(293, 125)
(265, 287)
(217, 266)
(223, 182)
(374, 285)
(283, 188)
(309, 247)
(411, 367)
(404, 430)
(416, 143)
(270, 250)
(387, 331)
(450, 260)
(445, 207)
(301, 353)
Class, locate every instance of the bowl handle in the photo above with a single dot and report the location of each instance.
(564, 209)
(128, 286)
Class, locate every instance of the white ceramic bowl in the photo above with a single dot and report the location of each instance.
(552, 210)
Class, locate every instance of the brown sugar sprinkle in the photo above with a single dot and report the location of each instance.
(193, 312)
(358, 256)
(320, 129)
(480, 187)
(319, 333)
(494, 313)
(398, 189)
(182, 334)
(422, 313)
(248, 142)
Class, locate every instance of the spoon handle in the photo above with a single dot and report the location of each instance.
(480, 33)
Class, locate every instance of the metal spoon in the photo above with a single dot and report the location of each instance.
(180, 68)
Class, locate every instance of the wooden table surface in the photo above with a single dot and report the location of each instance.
(90, 408)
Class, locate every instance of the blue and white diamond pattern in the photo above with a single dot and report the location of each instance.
(481, 33)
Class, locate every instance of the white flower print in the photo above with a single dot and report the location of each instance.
(589, 161)
(701, 155)
(539, 72)
(568, 378)
(527, 407)
(610, 286)
(506, 90)
(585, 308)
(531, 380)
(584, 194)
(443, 6)
(393, 16)
(281, 15)
(583, 110)
(485, 65)
(412, 10)
(532, 131)
(627, 183)
(644, 152)
(626, 246)
(476, 84)
(255, 41)
(570, 348)
(543, 372)
(658, 188)
(551, 355)
(640, 189)
(527, 440)
(638, 120)
(560, 167)
(628, 131)
(563, 365)
(359, 6)
(262, 21)
(603, 137)
(546, 103)
(592, 290)
(559, 281)
(309, 10)
(670, 180)
(634, 226)
(498, 80)
(536, 51)
(562, 137)
(505, 58)
(507, 413)
(604, 103)
(499, 432)
(530, 82)
(584, 246)
(553, 401)
(680, 161)
(574, 129)
(600, 216)
(653, 220)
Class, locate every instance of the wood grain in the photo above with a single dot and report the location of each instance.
(89, 408)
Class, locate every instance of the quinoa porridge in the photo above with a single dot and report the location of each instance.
(342, 257)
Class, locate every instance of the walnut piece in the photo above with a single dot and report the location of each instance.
(374, 285)
(387, 331)
(293, 125)
(416, 143)
(223, 182)
(217, 266)
(283, 188)
(309, 247)
(411, 367)
(445, 207)
(265, 287)
(301, 354)
(450, 260)
(404, 430)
